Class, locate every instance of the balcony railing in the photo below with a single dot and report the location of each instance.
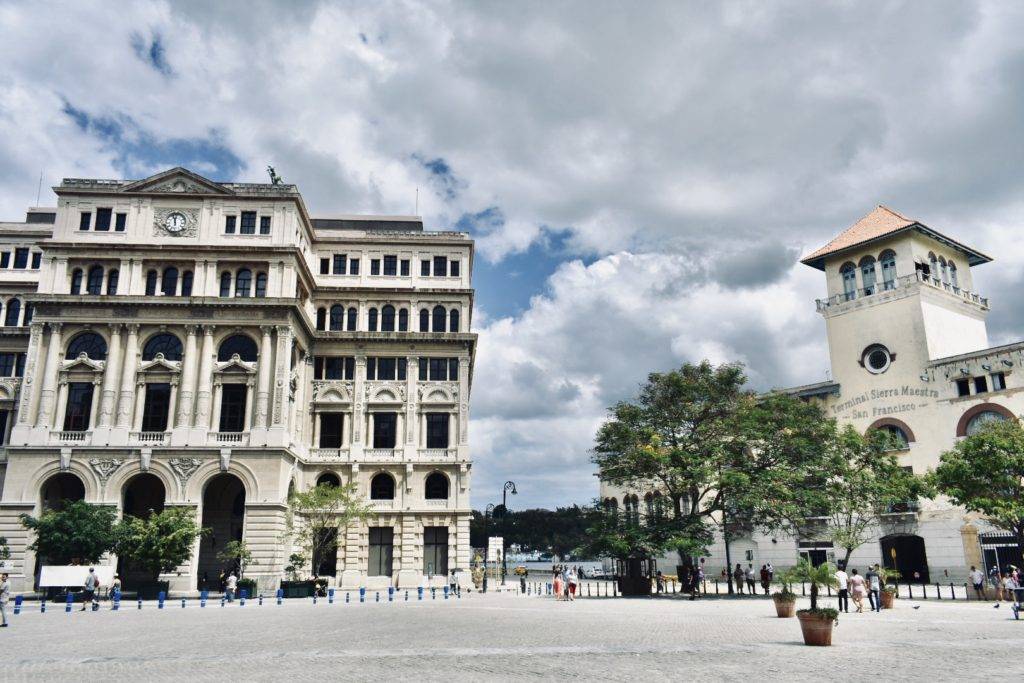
(149, 437)
(329, 454)
(437, 454)
(79, 438)
(382, 504)
(435, 502)
(382, 453)
(234, 438)
(900, 283)
(905, 508)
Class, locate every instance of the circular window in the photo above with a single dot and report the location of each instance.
(876, 359)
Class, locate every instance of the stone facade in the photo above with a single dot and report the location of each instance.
(909, 353)
(178, 343)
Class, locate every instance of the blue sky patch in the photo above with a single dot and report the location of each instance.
(152, 52)
(446, 185)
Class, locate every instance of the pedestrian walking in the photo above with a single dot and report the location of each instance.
(771, 572)
(558, 585)
(699, 577)
(5, 595)
(858, 586)
(842, 581)
(978, 581)
(572, 580)
(89, 594)
(230, 584)
(1010, 582)
(737, 576)
(115, 586)
(659, 582)
(766, 578)
(995, 578)
(751, 578)
(874, 580)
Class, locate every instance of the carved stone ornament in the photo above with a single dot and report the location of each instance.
(105, 467)
(185, 467)
(160, 222)
(178, 185)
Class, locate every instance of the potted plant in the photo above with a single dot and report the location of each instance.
(889, 591)
(785, 598)
(816, 622)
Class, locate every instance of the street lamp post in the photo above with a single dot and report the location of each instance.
(488, 511)
(509, 486)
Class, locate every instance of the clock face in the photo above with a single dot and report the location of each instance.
(175, 222)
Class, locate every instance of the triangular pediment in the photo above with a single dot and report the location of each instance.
(236, 366)
(82, 363)
(159, 364)
(177, 180)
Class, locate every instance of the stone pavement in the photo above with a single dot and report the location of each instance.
(492, 637)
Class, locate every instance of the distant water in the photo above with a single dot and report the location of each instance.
(540, 567)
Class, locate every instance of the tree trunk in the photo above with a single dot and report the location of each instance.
(846, 558)
(814, 596)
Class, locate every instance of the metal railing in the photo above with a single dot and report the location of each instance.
(71, 437)
(238, 438)
(382, 453)
(900, 283)
(437, 453)
(332, 454)
(148, 437)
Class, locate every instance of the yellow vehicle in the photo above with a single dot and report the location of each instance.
(521, 570)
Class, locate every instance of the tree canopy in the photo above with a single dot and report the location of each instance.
(325, 511)
(77, 531)
(159, 542)
(560, 531)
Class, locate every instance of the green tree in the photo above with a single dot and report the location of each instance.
(821, 576)
(5, 550)
(160, 542)
(236, 553)
(985, 473)
(325, 511)
(77, 531)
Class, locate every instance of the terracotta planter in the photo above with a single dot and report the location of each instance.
(784, 607)
(817, 628)
(887, 599)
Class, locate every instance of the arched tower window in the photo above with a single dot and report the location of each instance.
(76, 281)
(424, 320)
(337, 317)
(888, 259)
(89, 343)
(151, 282)
(321, 318)
(387, 318)
(944, 270)
(241, 344)
(453, 321)
(403, 320)
(953, 280)
(353, 316)
(169, 281)
(437, 319)
(243, 282)
(849, 273)
(225, 284)
(867, 274)
(13, 311)
(437, 487)
(261, 285)
(164, 343)
(186, 283)
(112, 280)
(371, 319)
(382, 487)
(94, 285)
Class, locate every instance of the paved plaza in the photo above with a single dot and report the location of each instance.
(508, 637)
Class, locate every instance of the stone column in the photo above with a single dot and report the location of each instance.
(188, 379)
(62, 404)
(281, 375)
(111, 374)
(29, 386)
(205, 381)
(126, 401)
(263, 379)
(358, 426)
(49, 380)
(411, 400)
(463, 402)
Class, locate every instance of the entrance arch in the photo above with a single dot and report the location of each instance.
(224, 516)
(142, 495)
(60, 489)
(906, 554)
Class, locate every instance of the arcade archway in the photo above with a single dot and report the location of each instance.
(224, 516)
(143, 495)
(906, 554)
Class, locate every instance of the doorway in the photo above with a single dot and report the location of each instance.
(906, 554)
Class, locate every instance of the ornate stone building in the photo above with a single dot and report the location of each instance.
(175, 341)
(909, 354)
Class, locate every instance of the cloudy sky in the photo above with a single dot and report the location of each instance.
(640, 178)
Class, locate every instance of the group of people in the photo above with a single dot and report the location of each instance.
(857, 586)
(1003, 582)
(749, 577)
(690, 580)
(565, 581)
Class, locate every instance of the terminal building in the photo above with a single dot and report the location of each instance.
(175, 341)
(909, 354)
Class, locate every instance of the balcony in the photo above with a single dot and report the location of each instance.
(383, 454)
(230, 438)
(437, 455)
(435, 502)
(382, 505)
(910, 507)
(329, 454)
(904, 282)
(149, 438)
(72, 438)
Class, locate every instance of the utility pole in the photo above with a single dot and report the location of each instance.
(509, 486)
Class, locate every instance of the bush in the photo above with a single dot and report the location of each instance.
(828, 612)
(247, 585)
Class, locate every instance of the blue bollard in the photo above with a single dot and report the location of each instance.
(433, 592)
(314, 597)
(67, 603)
(446, 592)
(419, 593)
(280, 594)
(346, 597)
(115, 601)
(17, 603)
(243, 594)
(261, 600)
(140, 603)
(362, 594)
(377, 595)
(458, 592)
(330, 596)
(42, 606)
(203, 597)
(160, 597)
(183, 603)
(222, 600)
(391, 593)
(407, 596)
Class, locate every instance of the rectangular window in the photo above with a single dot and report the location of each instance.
(339, 264)
(386, 368)
(330, 429)
(963, 387)
(371, 368)
(158, 405)
(440, 266)
(7, 363)
(103, 219)
(119, 222)
(453, 369)
(435, 550)
(437, 430)
(375, 266)
(325, 266)
(384, 428)
(998, 381)
(264, 225)
(84, 220)
(79, 406)
(423, 369)
(382, 545)
(438, 369)
(248, 224)
(980, 385)
(391, 265)
(353, 266)
(334, 368)
(19, 368)
(37, 258)
(405, 267)
(425, 268)
(5, 259)
(232, 408)
(229, 225)
(21, 258)
(4, 416)
(453, 268)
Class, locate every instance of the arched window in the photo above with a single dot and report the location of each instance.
(888, 259)
(976, 423)
(112, 279)
(261, 285)
(953, 280)
(437, 319)
(186, 283)
(239, 344)
(611, 505)
(353, 316)
(243, 282)
(437, 487)
(403, 320)
(337, 317)
(225, 284)
(424, 320)
(944, 270)
(898, 437)
(934, 263)
(453, 321)
(169, 282)
(371, 319)
(849, 272)
(76, 281)
(13, 311)
(89, 343)
(321, 318)
(164, 343)
(328, 479)
(27, 318)
(151, 278)
(94, 284)
(387, 318)
(382, 487)
(649, 505)
(867, 274)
